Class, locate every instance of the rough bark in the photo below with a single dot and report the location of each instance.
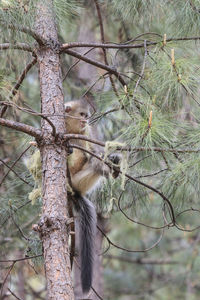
(54, 220)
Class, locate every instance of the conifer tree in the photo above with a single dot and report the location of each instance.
(145, 100)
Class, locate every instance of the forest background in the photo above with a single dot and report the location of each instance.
(140, 62)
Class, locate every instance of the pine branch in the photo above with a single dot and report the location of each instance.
(131, 149)
(26, 30)
(149, 187)
(67, 46)
(18, 84)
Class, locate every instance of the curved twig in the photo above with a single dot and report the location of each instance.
(129, 250)
(97, 64)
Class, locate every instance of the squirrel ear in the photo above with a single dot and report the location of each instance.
(67, 108)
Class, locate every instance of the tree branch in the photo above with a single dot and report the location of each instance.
(21, 127)
(22, 76)
(97, 64)
(137, 149)
(129, 250)
(103, 41)
(19, 46)
(17, 85)
(124, 45)
(12, 166)
(20, 259)
(14, 294)
(26, 30)
(4, 163)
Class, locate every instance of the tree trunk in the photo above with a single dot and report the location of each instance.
(54, 220)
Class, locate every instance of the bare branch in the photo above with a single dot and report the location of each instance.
(23, 75)
(3, 162)
(97, 64)
(74, 64)
(19, 46)
(142, 71)
(124, 45)
(84, 138)
(21, 127)
(129, 250)
(17, 85)
(140, 223)
(103, 41)
(20, 259)
(14, 294)
(6, 277)
(32, 112)
(12, 166)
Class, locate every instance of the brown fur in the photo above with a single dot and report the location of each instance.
(85, 171)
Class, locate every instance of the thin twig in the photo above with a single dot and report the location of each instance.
(142, 71)
(3, 162)
(15, 162)
(74, 64)
(6, 277)
(18, 84)
(23, 75)
(138, 222)
(20, 259)
(97, 64)
(129, 250)
(32, 112)
(149, 187)
(152, 174)
(103, 41)
(14, 294)
(21, 206)
(17, 226)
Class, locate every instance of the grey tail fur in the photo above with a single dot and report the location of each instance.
(87, 230)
